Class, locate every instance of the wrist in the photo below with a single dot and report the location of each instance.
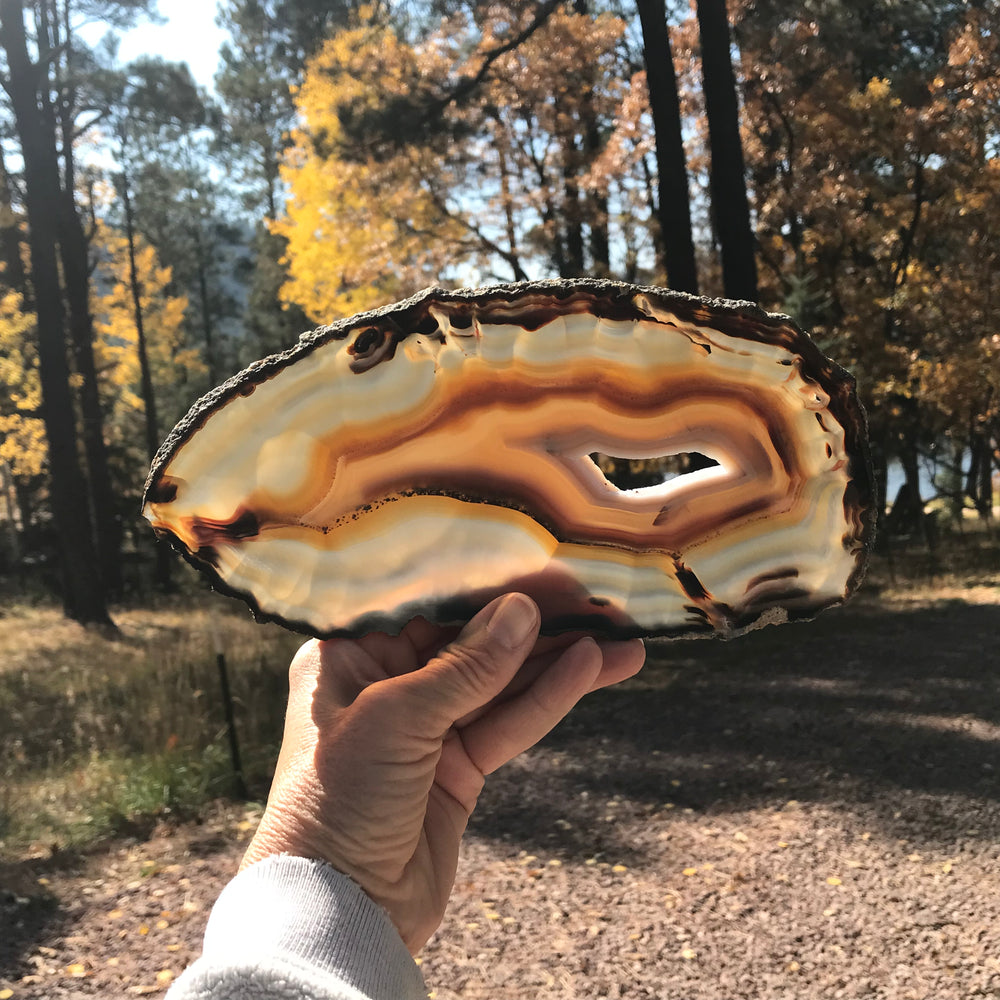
(279, 836)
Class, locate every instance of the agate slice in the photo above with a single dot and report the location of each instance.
(425, 457)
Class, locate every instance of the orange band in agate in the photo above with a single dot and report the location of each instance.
(426, 457)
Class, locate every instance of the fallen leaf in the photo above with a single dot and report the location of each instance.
(77, 969)
(833, 880)
(144, 929)
(115, 915)
(690, 871)
(688, 953)
(164, 976)
(619, 868)
(6, 994)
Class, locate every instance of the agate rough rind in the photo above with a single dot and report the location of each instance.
(422, 458)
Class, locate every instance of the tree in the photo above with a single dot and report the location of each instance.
(163, 127)
(464, 150)
(261, 65)
(879, 194)
(64, 100)
(674, 200)
(730, 207)
(138, 307)
(83, 591)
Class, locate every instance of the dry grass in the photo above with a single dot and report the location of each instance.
(105, 730)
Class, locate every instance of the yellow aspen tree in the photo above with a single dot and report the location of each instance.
(22, 430)
(177, 368)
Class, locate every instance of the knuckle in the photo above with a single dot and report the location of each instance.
(467, 666)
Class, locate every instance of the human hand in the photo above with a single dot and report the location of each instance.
(388, 740)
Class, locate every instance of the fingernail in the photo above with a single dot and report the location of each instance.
(513, 621)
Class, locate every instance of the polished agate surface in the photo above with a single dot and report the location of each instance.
(426, 457)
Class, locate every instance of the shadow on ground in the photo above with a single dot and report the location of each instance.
(37, 923)
(892, 714)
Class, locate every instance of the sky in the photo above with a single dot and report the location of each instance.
(190, 35)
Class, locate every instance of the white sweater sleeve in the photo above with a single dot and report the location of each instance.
(291, 929)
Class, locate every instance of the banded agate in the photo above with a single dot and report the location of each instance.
(425, 457)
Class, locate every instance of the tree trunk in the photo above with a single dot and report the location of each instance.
(83, 594)
(730, 208)
(573, 214)
(9, 497)
(163, 561)
(979, 484)
(674, 197)
(75, 257)
(75, 262)
(510, 229)
(207, 324)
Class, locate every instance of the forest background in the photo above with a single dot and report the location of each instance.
(838, 160)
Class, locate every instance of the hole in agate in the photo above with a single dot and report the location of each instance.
(643, 473)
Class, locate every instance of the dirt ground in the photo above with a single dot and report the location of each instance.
(808, 812)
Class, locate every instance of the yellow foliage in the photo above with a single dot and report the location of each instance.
(172, 363)
(22, 432)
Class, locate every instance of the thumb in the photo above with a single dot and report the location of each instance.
(474, 668)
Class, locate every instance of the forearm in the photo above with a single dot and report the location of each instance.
(287, 929)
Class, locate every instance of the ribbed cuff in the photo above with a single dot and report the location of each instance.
(302, 914)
